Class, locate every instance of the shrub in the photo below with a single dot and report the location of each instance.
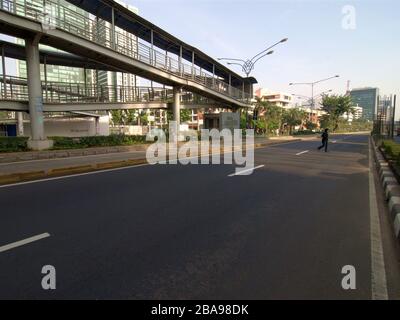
(303, 132)
(391, 148)
(96, 141)
(13, 144)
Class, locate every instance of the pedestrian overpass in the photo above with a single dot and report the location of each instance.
(110, 34)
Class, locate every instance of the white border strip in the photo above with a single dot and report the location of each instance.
(24, 242)
(303, 152)
(247, 170)
(378, 273)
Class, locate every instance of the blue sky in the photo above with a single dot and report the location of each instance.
(318, 46)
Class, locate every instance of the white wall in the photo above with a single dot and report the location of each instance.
(73, 127)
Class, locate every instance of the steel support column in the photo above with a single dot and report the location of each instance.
(181, 69)
(3, 64)
(113, 28)
(176, 108)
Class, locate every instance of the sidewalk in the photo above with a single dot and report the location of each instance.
(76, 162)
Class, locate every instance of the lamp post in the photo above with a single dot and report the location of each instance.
(311, 98)
(248, 65)
(312, 84)
(312, 101)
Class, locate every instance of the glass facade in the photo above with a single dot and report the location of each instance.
(366, 98)
(56, 73)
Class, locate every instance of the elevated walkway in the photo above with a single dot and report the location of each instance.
(110, 42)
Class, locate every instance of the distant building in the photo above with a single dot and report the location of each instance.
(54, 73)
(357, 114)
(70, 124)
(366, 98)
(280, 99)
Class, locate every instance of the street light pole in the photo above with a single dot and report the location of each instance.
(311, 99)
(248, 65)
(312, 84)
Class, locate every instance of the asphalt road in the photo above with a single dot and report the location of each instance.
(195, 232)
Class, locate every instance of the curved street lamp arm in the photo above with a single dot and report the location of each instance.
(322, 93)
(265, 50)
(299, 83)
(238, 64)
(231, 59)
(300, 96)
(325, 79)
(253, 63)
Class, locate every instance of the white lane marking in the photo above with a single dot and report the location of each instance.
(106, 170)
(247, 170)
(303, 152)
(334, 141)
(24, 242)
(378, 273)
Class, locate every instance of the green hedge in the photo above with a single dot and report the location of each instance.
(13, 144)
(304, 132)
(96, 141)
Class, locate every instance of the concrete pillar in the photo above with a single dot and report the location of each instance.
(97, 125)
(38, 141)
(20, 124)
(176, 108)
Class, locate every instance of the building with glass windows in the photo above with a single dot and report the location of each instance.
(366, 98)
(56, 73)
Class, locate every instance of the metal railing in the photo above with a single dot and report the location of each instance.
(16, 89)
(53, 15)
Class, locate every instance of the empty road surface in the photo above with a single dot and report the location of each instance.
(199, 231)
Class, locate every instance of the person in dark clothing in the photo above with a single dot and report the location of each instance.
(325, 138)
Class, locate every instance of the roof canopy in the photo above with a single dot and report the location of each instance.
(140, 27)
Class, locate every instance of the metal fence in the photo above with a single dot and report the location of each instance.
(16, 89)
(384, 124)
(100, 32)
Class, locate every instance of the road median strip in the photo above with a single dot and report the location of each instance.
(71, 170)
(391, 188)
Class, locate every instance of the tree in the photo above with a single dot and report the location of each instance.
(311, 125)
(269, 116)
(185, 115)
(294, 117)
(336, 106)
(325, 121)
(273, 117)
(123, 117)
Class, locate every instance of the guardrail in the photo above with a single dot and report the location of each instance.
(53, 15)
(16, 89)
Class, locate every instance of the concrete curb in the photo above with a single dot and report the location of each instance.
(391, 188)
(58, 172)
(9, 157)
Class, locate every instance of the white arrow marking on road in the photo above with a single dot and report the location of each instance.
(303, 152)
(23, 242)
(243, 171)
